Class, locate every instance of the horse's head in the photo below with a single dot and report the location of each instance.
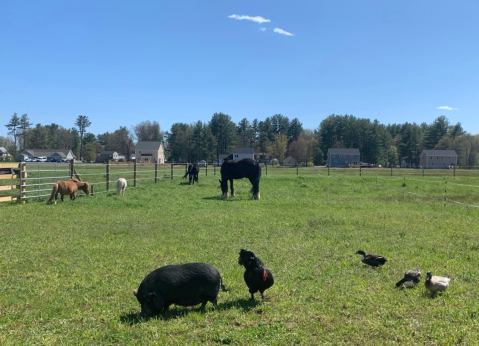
(84, 188)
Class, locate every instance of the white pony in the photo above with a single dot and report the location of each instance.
(121, 186)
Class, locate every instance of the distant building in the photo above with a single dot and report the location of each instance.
(148, 151)
(438, 158)
(243, 153)
(51, 154)
(109, 155)
(263, 158)
(343, 157)
(289, 161)
(4, 152)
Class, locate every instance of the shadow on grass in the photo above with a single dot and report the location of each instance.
(176, 312)
(217, 198)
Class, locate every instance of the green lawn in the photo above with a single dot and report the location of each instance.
(67, 271)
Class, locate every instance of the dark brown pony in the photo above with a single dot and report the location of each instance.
(68, 187)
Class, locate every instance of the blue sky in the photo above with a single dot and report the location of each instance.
(123, 62)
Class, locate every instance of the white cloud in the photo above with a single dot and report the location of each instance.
(447, 108)
(262, 29)
(257, 19)
(282, 32)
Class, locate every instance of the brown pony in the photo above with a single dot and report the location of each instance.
(68, 187)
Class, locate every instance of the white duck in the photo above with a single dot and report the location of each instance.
(436, 283)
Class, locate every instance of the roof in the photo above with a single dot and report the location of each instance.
(243, 150)
(46, 152)
(343, 151)
(440, 152)
(3, 150)
(148, 145)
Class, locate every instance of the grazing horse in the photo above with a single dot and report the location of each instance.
(68, 187)
(192, 172)
(121, 186)
(238, 169)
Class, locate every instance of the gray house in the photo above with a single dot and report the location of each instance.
(243, 153)
(51, 154)
(438, 158)
(343, 157)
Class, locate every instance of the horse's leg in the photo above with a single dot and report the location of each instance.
(62, 196)
(190, 177)
(255, 184)
(232, 188)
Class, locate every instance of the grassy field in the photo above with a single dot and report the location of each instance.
(67, 271)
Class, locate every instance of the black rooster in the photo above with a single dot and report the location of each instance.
(256, 275)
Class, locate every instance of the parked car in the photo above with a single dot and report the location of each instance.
(202, 163)
(42, 159)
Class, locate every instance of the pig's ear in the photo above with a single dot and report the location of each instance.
(135, 293)
(152, 295)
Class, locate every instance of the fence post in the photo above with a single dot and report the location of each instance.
(214, 170)
(266, 166)
(172, 171)
(360, 170)
(454, 171)
(72, 167)
(92, 190)
(206, 168)
(108, 175)
(297, 169)
(391, 170)
(134, 174)
(23, 181)
(328, 170)
(423, 172)
(156, 172)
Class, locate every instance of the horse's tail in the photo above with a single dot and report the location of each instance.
(256, 176)
(54, 192)
(223, 288)
(118, 186)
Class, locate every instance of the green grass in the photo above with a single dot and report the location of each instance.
(67, 271)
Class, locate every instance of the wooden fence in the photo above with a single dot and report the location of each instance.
(10, 180)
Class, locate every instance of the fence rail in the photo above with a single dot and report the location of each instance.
(42, 176)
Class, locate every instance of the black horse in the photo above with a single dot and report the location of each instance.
(192, 172)
(238, 169)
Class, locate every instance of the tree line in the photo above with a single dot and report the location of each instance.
(277, 135)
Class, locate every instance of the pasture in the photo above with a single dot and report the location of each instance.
(67, 271)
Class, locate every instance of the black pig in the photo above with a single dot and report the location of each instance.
(181, 284)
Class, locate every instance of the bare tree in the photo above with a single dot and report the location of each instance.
(148, 131)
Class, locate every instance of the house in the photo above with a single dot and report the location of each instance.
(4, 152)
(289, 161)
(55, 155)
(243, 153)
(263, 158)
(343, 157)
(109, 155)
(149, 151)
(438, 158)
